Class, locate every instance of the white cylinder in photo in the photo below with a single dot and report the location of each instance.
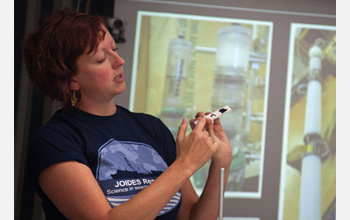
(310, 188)
(233, 48)
(313, 108)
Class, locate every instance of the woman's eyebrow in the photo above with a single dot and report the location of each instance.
(99, 49)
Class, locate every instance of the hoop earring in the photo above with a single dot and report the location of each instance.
(74, 99)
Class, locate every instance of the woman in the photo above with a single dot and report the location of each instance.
(97, 160)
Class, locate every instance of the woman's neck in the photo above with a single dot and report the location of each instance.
(106, 109)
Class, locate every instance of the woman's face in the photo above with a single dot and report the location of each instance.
(100, 74)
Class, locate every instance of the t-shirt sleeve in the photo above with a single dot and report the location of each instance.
(50, 146)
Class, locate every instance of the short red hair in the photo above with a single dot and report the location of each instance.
(52, 50)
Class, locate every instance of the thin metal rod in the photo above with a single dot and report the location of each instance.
(221, 196)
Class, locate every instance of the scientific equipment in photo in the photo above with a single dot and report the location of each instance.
(235, 78)
(173, 108)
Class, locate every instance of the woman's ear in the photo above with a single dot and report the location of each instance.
(74, 85)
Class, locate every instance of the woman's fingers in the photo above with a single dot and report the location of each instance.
(182, 130)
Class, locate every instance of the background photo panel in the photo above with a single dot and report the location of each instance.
(184, 64)
(308, 169)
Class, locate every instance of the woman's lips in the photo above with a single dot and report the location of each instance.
(119, 78)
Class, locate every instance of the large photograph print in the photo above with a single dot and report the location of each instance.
(184, 64)
(308, 169)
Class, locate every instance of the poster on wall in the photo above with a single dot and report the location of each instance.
(184, 64)
(308, 170)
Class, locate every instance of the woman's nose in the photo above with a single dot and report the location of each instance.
(118, 61)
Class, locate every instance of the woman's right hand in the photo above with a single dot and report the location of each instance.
(195, 149)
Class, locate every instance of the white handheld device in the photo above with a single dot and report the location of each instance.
(217, 113)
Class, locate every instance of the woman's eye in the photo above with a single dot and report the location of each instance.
(115, 49)
(102, 60)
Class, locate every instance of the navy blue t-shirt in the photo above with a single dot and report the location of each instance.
(126, 152)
